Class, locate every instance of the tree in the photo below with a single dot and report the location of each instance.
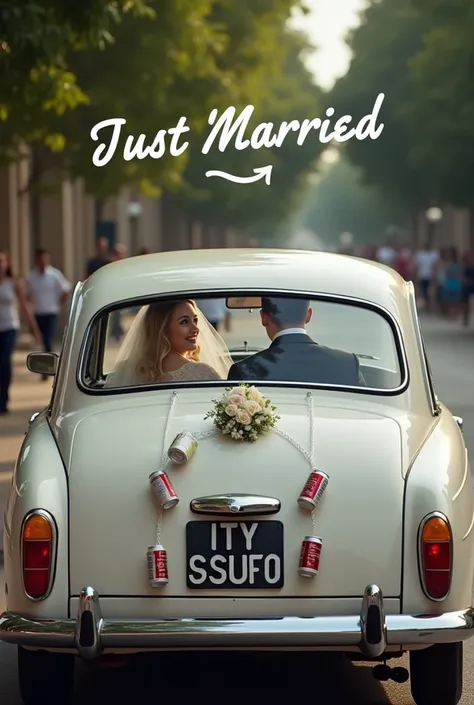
(35, 78)
(440, 111)
(152, 75)
(389, 35)
(287, 93)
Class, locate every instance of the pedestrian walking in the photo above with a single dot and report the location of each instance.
(101, 258)
(425, 262)
(12, 301)
(47, 289)
(452, 285)
(467, 291)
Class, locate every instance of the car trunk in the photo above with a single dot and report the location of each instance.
(116, 444)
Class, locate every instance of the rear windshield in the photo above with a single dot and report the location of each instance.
(270, 339)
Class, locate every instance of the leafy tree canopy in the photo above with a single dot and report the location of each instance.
(440, 111)
(35, 39)
(383, 45)
(287, 95)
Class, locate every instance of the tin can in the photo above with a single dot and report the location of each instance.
(309, 556)
(157, 566)
(313, 490)
(183, 448)
(163, 489)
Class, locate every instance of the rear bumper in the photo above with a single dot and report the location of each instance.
(371, 631)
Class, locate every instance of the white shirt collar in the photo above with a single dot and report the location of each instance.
(290, 331)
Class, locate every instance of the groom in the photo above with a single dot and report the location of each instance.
(293, 356)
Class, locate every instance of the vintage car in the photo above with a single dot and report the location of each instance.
(344, 523)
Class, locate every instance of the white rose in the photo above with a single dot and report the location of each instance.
(243, 417)
(231, 409)
(254, 395)
(252, 407)
(241, 391)
(236, 399)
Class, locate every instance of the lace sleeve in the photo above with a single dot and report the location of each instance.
(206, 372)
(193, 372)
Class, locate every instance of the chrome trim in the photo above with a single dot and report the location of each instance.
(54, 548)
(33, 417)
(373, 599)
(319, 296)
(89, 604)
(442, 516)
(460, 422)
(427, 377)
(313, 632)
(235, 503)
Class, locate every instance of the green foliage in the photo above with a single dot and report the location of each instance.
(421, 55)
(340, 202)
(35, 77)
(155, 72)
(441, 109)
(178, 59)
(285, 94)
(389, 35)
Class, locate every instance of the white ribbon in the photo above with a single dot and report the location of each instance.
(164, 460)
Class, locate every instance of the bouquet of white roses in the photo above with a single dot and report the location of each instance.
(243, 413)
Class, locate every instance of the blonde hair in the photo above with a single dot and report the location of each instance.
(157, 344)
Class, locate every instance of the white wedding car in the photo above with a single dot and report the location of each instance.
(394, 526)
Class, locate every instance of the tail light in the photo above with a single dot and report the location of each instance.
(435, 551)
(38, 538)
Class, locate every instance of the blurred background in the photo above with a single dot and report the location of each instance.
(405, 199)
(67, 66)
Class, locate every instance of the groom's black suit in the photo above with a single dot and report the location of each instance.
(295, 357)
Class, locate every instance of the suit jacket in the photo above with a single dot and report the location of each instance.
(295, 357)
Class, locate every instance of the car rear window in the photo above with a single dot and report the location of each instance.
(344, 344)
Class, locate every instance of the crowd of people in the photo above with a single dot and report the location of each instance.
(443, 278)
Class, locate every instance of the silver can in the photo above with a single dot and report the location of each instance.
(157, 566)
(309, 556)
(163, 489)
(183, 448)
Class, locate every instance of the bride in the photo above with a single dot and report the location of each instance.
(170, 342)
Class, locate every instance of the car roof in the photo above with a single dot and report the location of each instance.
(259, 268)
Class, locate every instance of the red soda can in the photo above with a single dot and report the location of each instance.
(163, 489)
(157, 566)
(309, 556)
(313, 490)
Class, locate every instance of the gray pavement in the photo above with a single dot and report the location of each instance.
(326, 679)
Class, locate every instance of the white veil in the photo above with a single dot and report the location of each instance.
(124, 373)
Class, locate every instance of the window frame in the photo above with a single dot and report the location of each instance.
(242, 291)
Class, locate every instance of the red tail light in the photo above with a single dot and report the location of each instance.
(38, 534)
(435, 556)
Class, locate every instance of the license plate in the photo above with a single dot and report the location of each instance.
(229, 554)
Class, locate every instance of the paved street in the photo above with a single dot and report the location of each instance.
(326, 679)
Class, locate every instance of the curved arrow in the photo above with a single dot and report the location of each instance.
(263, 172)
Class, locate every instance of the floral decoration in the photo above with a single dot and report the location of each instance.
(243, 413)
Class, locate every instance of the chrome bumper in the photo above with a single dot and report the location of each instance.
(371, 631)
